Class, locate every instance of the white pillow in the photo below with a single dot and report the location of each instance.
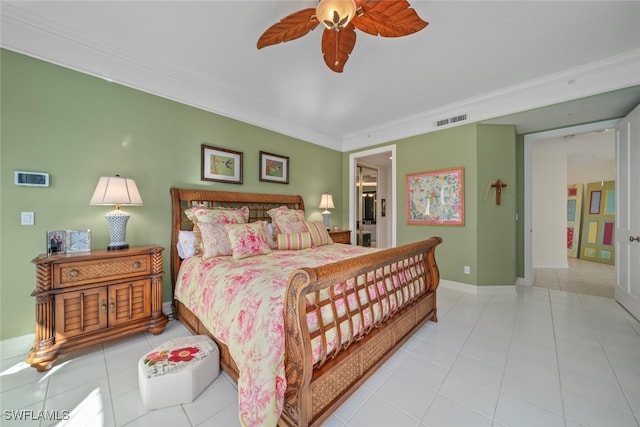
(185, 244)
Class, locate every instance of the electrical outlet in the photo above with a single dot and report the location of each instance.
(467, 269)
(27, 218)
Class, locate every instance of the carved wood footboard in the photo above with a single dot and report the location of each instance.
(409, 274)
(390, 293)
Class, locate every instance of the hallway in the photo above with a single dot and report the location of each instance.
(582, 277)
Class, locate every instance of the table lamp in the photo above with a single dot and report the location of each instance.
(117, 191)
(326, 203)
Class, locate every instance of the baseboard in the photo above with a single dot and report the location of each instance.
(560, 264)
(16, 346)
(478, 290)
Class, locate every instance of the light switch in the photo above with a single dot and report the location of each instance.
(27, 218)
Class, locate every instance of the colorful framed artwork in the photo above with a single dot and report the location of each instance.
(436, 197)
(274, 168)
(221, 165)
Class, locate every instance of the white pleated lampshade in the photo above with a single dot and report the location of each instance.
(115, 190)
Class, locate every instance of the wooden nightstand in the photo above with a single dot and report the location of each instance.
(83, 299)
(341, 236)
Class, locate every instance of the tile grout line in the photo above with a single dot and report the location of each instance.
(555, 348)
(606, 355)
(504, 367)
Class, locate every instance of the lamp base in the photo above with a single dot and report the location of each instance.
(117, 221)
(326, 218)
(117, 247)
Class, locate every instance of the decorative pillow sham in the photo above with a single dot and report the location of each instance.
(247, 240)
(185, 244)
(215, 241)
(294, 241)
(214, 215)
(288, 220)
(319, 235)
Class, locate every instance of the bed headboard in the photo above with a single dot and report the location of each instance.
(183, 199)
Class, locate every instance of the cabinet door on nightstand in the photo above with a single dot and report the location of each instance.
(80, 312)
(129, 301)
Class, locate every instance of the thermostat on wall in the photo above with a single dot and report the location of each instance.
(33, 179)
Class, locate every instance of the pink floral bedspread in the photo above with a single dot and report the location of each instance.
(241, 302)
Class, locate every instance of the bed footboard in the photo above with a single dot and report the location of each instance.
(390, 293)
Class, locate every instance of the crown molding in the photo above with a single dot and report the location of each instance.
(35, 36)
(27, 33)
(613, 73)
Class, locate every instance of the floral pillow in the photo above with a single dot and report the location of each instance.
(294, 241)
(267, 230)
(215, 241)
(288, 220)
(216, 215)
(247, 240)
(319, 234)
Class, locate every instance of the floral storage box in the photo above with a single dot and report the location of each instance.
(177, 371)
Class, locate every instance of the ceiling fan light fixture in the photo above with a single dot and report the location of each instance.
(335, 14)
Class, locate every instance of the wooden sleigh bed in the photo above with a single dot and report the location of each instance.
(315, 388)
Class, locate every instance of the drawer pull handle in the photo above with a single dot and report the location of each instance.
(112, 306)
(103, 306)
(136, 264)
(74, 273)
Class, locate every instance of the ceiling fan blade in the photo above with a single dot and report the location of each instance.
(289, 28)
(388, 18)
(337, 46)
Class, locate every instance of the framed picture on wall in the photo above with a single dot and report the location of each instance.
(274, 168)
(436, 197)
(221, 165)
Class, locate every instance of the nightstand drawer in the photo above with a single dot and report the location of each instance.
(77, 273)
(341, 236)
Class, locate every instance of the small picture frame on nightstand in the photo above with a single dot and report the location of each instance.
(78, 241)
(56, 242)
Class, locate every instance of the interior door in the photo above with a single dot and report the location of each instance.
(628, 212)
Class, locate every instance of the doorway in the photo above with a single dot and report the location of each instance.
(366, 205)
(379, 210)
(529, 270)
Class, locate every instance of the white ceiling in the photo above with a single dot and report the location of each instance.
(490, 60)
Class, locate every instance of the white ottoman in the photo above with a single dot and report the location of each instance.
(177, 371)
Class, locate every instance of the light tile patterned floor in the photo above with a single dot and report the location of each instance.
(538, 357)
(583, 277)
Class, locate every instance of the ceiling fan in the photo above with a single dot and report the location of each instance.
(386, 18)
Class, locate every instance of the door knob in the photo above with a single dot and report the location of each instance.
(637, 239)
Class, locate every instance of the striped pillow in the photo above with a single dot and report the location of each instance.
(319, 235)
(294, 241)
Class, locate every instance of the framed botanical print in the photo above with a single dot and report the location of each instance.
(274, 168)
(221, 165)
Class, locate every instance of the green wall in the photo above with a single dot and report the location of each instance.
(77, 128)
(487, 241)
(496, 236)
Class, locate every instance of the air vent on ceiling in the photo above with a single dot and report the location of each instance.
(451, 120)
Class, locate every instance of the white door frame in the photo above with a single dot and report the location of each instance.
(528, 178)
(353, 161)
